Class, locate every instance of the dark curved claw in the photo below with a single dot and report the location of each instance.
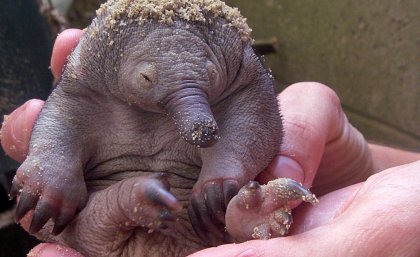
(196, 224)
(230, 189)
(157, 194)
(63, 220)
(213, 195)
(208, 209)
(42, 213)
(27, 201)
(253, 185)
(289, 189)
(148, 203)
(202, 223)
(14, 189)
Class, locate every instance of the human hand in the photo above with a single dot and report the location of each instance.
(356, 217)
(378, 217)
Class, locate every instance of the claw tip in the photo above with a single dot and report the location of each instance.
(311, 198)
(253, 185)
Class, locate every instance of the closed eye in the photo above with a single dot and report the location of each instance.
(146, 77)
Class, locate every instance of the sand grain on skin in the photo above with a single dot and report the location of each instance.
(165, 11)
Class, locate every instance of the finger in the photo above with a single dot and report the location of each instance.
(386, 157)
(50, 250)
(312, 116)
(63, 46)
(17, 128)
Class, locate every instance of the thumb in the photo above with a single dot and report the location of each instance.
(318, 140)
(64, 44)
(311, 117)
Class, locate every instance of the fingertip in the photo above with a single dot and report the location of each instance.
(309, 127)
(32, 108)
(17, 128)
(63, 46)
(53, 250)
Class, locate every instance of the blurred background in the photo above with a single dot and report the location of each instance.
(367, 51)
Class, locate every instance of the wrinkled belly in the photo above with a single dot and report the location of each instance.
(181, 176)
(180, 161)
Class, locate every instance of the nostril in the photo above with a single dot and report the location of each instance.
(197, 133)
(203, 134)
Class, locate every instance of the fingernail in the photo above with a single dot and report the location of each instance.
(12, 134)
(285, 167)
(18, 131)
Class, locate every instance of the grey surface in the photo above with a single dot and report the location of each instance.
(368, 52)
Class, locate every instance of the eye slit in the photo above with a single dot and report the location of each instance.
(146, 77)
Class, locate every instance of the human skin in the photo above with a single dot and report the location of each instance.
(311, 141)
